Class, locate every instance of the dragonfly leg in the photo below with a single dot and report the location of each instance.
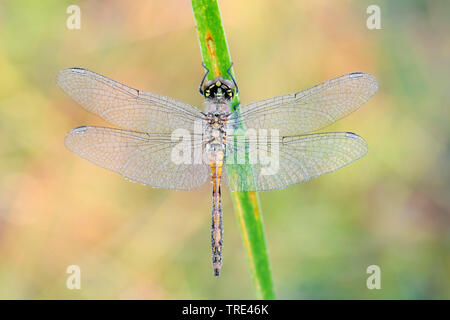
(232, 78)
(203, 80)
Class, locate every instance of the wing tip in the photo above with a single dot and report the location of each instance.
(78, 129)
(361, 140)
(73, 70)
(369, 78)
(62, 73)
(356, 74)
(352, 135)
(72, 133)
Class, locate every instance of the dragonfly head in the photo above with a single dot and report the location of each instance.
(219, 89)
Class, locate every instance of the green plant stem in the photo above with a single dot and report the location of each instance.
(216, 58)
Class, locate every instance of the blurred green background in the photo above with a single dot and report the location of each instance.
(390, 209)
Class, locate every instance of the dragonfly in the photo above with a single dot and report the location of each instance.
(142, 145)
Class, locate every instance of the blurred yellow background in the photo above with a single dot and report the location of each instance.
(390, 208)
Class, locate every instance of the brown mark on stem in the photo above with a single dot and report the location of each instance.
(254, 201)
(211, 45)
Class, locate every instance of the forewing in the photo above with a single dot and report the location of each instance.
(309, 110)
(139, 157)
(300, 158)
(124, 106)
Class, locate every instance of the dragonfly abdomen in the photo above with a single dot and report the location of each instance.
(216, 164)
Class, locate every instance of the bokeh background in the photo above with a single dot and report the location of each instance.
(390, 209)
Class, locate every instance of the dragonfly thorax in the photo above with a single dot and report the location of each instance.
(214, 135)
(218, 117)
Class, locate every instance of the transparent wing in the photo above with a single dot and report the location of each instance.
(309, 110)
(299, 158)
(124, 106)
(139, 157)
